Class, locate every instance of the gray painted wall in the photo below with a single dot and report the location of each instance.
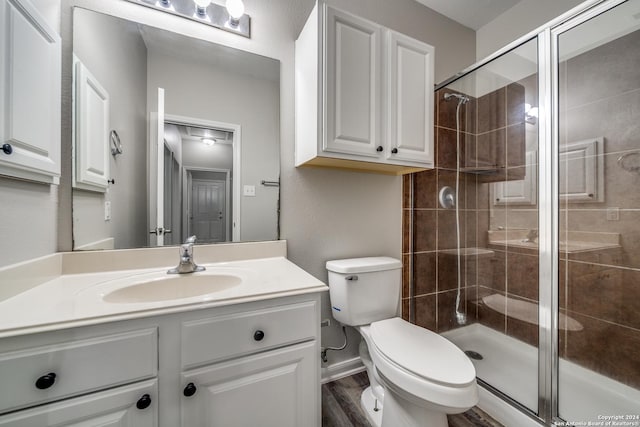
(120, 65)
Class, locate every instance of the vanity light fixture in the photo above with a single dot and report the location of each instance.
(530, 114)
(235, 9)
(230, 18)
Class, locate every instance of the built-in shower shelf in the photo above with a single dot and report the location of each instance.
(576, 241)
(526, 311)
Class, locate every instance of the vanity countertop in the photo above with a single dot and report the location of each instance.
(72, 300)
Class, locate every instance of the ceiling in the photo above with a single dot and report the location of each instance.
(470, 13)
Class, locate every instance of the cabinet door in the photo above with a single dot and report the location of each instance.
(91, 131)
(30, 94)
(353, 65)
(410, 95)
(129, 406)
(279, 388)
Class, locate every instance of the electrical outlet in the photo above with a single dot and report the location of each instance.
(613, 214)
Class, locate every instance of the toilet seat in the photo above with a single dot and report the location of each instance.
(422, 352)
(409, 360)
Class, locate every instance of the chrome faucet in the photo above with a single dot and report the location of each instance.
(186, 264)
(532, 235)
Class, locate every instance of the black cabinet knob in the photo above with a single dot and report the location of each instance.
(394, 151)
(258, 335)
(46, 381)
(190, 390)
(7, 148)
(144, 402)
(379, 148)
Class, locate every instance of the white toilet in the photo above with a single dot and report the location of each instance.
(416, 375)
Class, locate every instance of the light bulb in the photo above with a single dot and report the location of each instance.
(235, 8)
(208, 141)
(201, 6)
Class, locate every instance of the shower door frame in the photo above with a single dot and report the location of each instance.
(548, 197)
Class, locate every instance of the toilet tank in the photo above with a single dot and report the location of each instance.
(364, 290)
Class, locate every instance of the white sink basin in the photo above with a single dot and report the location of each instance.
(173, 287)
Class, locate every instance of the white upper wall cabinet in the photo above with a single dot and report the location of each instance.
(91, 133)
(30, 82)
(364, 96)
(410, 103)
(353, 92)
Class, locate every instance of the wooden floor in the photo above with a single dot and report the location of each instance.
(341, 406)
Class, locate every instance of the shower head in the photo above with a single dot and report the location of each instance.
(461, 98)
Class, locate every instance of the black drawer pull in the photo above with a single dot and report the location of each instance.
(394, 151)
(7, 149)
(258, 335)
(46, 381)
(190, 390)
(144, 402)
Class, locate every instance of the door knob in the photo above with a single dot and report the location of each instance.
(379, 149)
(394, 151)
(7, 149)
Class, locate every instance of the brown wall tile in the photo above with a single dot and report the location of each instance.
(515, 103)
(491, 111)
(605, 348)
(522, 275)
(424, 273)
(426, 311)
(425, 189)
(425, 227)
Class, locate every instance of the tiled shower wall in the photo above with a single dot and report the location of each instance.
(491, 142)
(600, 97)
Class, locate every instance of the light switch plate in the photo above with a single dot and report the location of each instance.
(249, 191)
(107, 210)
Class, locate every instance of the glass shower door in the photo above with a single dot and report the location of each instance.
(487, 145)
(598, 143)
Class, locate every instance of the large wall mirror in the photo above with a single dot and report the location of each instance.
(172, 136)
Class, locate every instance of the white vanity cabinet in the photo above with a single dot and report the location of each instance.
(364, 96)
(255, 363)
(30, 81)
(260, 368)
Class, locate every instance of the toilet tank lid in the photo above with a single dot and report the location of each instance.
(363, 265)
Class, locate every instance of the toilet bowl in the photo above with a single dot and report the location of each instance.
(417, 376)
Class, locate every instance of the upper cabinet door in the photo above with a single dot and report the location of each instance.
(410, 92)
(91, 136)
(30, 82)
(353, 82)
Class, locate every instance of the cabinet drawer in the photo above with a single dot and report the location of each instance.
(78, 366)
(217, 338)
(123, 407)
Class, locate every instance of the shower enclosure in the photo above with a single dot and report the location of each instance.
(543, 158)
